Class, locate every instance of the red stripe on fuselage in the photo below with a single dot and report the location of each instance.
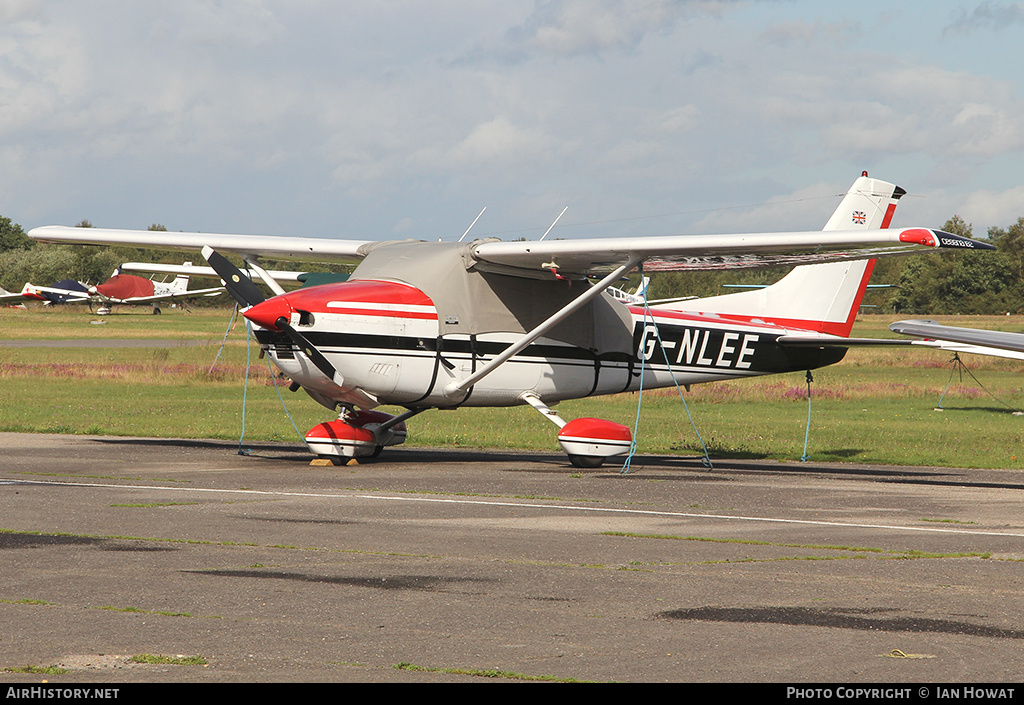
(385, 313)
(366, 293)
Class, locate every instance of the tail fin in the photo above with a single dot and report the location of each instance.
(818, 297)
(180, 283)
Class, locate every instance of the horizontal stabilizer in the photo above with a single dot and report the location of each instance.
(816, 341)
(970, 336)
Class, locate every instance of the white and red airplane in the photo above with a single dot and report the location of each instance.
(439, 325)
(120, 290)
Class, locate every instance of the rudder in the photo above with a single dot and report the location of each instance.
(819, 297)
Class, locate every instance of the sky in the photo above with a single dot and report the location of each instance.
(397, 119)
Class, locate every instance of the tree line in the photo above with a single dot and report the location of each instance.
(970, 282)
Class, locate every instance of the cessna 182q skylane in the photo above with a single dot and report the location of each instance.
(425, 325)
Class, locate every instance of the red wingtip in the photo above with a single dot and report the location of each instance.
(919, 236)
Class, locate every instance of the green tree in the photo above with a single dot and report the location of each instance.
(969, 282)
(12, 237)
(40, 265)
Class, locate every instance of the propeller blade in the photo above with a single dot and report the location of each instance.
(308, 349)
(238, 285)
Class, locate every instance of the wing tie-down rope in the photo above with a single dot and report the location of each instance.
(273, 378)
(706, 460)
(958, 365)
(231, 323)
(245, 388)
(807, 432)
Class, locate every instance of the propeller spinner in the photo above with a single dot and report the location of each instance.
(273, 313)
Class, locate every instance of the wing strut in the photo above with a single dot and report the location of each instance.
(264, 275)
(456, 388)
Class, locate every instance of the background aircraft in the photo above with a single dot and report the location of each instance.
(439, 325)
(120, 289)
(10, 298)
(301, 277)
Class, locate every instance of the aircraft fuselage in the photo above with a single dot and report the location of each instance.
(386, 341)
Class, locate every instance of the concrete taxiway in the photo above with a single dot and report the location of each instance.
(432, 565)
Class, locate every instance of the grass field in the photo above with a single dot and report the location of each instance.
(877, 406)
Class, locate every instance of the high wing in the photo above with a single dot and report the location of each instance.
(55, 294)
(157, 298)
(694, 252)
(193, 270)
(268, 246)
(9, 296)
(970, 340)
(576, 258)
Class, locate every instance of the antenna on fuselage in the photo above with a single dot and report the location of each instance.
(553, 224)
(472, 224)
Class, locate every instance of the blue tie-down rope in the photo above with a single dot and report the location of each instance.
(807, 432)
(706, 460)
(273, 378)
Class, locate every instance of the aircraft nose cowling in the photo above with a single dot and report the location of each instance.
(266, 314)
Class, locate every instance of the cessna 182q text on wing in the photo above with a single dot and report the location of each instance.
(427, 325)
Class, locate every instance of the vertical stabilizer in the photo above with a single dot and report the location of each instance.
(818, 297)
(180, 283)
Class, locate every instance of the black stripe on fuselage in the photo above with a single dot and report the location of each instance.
(664, 346)
(724, 350)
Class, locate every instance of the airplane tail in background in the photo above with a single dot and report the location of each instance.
(180, 282)
(817, 297)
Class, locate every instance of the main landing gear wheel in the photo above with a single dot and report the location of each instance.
(588, 442)
(586, 461)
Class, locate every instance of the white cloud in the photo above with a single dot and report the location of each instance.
(987, 16)
(572, 27)
(498, 142)
(787, 34)
(247, 22)
(806, 208)
(992, 208)
(12, 11)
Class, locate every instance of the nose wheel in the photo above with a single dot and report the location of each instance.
(356, 434)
